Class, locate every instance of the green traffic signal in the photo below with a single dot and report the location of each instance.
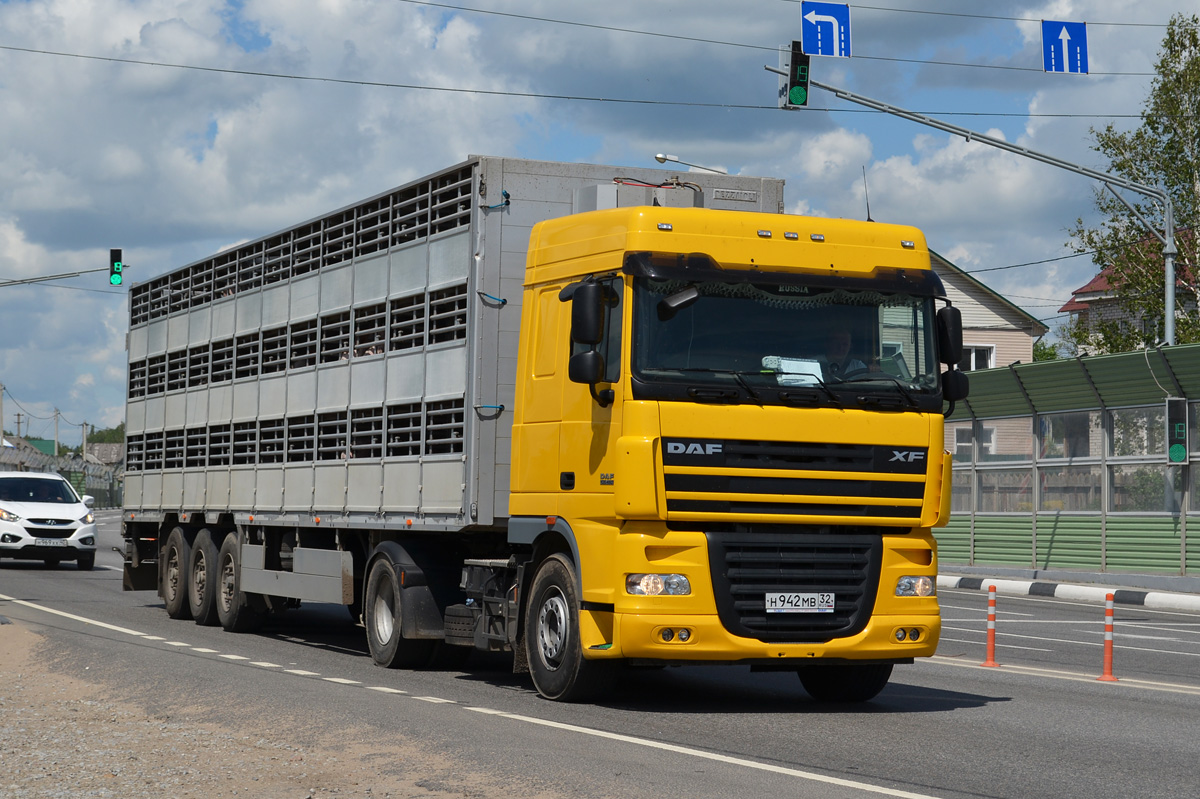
(115, 267)
(797, 81)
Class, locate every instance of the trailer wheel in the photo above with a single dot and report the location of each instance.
(845, 683)
(382, 617)
(176, 559)
(202, 583)
(234, 609)
(552, 642)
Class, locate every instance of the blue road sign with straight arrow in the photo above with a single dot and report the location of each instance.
(825, 28)
(1064, 46)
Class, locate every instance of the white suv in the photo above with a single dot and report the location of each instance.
(42, 518)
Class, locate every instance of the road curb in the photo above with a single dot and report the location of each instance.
(1158, 600)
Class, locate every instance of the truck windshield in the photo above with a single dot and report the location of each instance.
(785, 342)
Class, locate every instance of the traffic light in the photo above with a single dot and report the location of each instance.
(797, 81)
(115, 267)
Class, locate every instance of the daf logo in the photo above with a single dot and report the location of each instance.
(906, 456)
(693, 448)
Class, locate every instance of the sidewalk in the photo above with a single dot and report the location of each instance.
(1158, 591)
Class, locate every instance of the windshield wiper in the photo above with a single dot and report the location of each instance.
(737, 375)
(810, 397)
(876, 376)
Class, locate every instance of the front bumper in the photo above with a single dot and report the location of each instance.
(36, 543)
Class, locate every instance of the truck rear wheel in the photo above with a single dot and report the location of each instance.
(234, 609)
(845, 683)
(177, 556)
(202, 584)
(383, 618)
(552, 641)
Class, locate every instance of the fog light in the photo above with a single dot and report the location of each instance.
(87, 541)
(901, 634)
(914, 634)
(668, 634)
(658, 584)
(9, 538)
(915, 585)
(685, 635)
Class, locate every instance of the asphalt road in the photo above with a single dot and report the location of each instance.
(1038, 725)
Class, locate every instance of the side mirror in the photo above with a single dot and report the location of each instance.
(586, 367)
(89, 500)
(587, 314)
(955, 386)
(949, 335)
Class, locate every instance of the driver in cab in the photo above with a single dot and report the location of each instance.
(836, 361)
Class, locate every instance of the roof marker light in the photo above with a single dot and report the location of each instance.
(908, 245)
(665, 226)
(817, 237)
(791, 236)
(764, 234)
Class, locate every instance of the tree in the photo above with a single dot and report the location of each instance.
(1164, 150)
(112, 435)
(1045, 351)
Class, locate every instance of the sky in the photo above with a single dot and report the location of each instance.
(246, 116)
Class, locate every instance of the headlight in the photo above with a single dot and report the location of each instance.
(9, 517)
(88, 519)
(657, 584)
(915, 585)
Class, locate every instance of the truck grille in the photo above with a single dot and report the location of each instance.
(747, 564)
(724, 479)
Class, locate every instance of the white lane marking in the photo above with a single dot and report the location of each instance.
(72, 616)
(998, 645)
(302, 672)
(234, 657)
(204, 650)
(435, 700)
(1004, 617)
(384, 690)
(342, 681)
(153, 638)
(1150, 685)
(1117, 644)
(703, 755)
(264, 664)
(983, 609)
(177, 643)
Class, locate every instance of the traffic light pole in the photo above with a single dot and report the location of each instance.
(1167, 236)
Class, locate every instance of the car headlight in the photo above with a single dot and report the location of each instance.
(915, 585)
(657, 584)
(88, 519)
(8, 517)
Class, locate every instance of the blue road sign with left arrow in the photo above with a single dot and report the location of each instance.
(825, 28)
(1064, 46)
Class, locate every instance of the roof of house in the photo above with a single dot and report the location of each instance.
(1099, 287)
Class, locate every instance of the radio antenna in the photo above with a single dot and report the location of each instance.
(866, 196)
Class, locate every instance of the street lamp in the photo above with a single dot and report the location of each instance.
(662, 159)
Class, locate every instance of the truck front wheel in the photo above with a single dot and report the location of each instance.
(845, 683)
(382, 616)
(552, 640)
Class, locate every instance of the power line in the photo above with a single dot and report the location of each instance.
(678, 37)
(991, 16)
(535, 95)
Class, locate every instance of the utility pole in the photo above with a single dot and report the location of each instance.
(1111, 182)
(83, 446)
(56, 432)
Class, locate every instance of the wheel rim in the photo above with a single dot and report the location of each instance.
(228, 587)
(199, 573)
(552, 628)
(384, 613)
(172, 586)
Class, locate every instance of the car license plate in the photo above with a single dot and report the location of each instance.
(50, 542)
(822, 602)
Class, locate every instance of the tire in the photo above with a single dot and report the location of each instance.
(382, 616)
(202, 579)
(552, 641)
(85, 563)
(845, 684)
(235, 610)
(177, 557)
